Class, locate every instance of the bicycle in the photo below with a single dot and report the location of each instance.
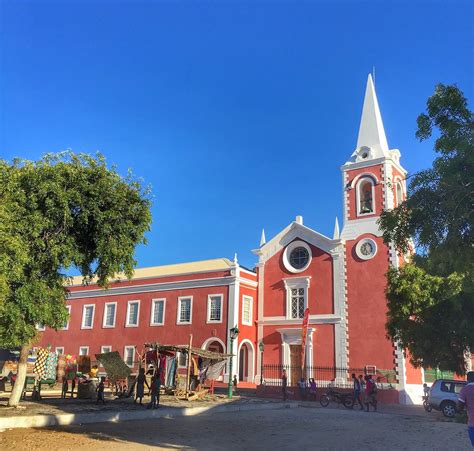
(426, 404)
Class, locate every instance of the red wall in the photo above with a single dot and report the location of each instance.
(367, 307)
(121, 336)
(320, 293)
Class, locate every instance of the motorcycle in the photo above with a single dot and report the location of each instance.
(346, 399)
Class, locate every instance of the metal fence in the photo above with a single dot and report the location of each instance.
(326, 375)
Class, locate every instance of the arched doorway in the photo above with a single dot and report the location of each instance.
(215, 344)
(246, 361)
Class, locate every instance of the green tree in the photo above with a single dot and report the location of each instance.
(431, 299)
(66, 210)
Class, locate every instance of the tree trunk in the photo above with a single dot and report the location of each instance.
(20, 379)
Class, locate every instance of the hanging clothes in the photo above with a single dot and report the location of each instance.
(40, 364)
(51, 365)
(171, 364)
(71, 367)
(61, 371)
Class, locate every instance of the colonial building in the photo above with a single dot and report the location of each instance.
(341, 280)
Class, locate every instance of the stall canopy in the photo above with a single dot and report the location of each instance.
(114, 366)
(208, 355)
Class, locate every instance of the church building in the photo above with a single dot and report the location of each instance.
(340, 279)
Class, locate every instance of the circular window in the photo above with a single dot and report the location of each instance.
(297, 256)
(366, 249)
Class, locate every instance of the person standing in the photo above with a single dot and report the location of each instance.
(155, 392)
(466, 401)
(370, 393)
(100, 390)
(284, 383)
(357, 390)
(140, 385)
(234, 383)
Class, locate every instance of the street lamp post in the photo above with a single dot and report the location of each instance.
(261, 346)
(233, 335)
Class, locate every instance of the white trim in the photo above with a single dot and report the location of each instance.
(59, 347)
(40, 328)
(66, 327)
(127, 322)
(260, 311)
(246, 297)
(296, 283)
(251, 359)
(84, 347)
(233, 320)
(287, 253)
(125, 355)
(313, 319)
(104, 319)
(368, 163)
(163, 286)
(83, 316)
(208, 316)
(105, 346)
(153, 301)
(364, 175)
(210, 340)
(360, 182)
(178, 315)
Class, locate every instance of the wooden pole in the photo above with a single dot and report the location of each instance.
(188, 375)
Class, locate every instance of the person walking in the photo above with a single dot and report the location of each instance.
(284, 383)
(466, 401)
(140, 385)
(312, 388)
(357, 391)
(370, 393)
(100, 390)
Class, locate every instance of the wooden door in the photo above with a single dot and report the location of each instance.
(295, 362)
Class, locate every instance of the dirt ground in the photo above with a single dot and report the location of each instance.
(296, 428)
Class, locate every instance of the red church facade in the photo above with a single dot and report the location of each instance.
(341, 280)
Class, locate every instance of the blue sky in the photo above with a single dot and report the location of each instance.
(239, 114)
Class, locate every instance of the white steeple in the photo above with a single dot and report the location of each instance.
(335, 235)
(263, 240)
(371, 142)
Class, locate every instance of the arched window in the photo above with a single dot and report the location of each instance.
(399, 193)
(365, 196)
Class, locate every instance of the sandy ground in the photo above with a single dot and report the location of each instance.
(296, 428)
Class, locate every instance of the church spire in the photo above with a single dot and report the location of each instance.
(335, 235)
(371, 131)
(263, 240)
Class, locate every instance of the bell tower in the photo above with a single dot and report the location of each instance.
(373, 180)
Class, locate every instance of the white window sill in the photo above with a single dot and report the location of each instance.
(131, 325)
(156, 324)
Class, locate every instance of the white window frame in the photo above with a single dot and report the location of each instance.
(360, 182)
(127, 324)
(185, 358)
(295, 283)
(221, 299)
(125, 355)
(153, 303)
(84, 347)
(105, 346)
(59, 347)
(399, 196)
(250, 299)
(66, 327)
(84, 316)
(178, 316)
(104, 319)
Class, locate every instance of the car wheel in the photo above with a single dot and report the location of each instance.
(449, 409)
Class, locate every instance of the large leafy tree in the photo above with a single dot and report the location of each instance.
(66, 210)
(431, 299)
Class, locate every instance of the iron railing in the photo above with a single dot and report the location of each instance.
(326, 375)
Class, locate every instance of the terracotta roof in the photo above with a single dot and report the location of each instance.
(217, 264)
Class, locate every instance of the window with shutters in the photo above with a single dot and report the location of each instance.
(247, 307)
(296, 296)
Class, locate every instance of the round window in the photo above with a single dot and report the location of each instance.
(299, 257)
(366, 249)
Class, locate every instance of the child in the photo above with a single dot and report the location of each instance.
(155, 392)
(100, 390)
(140, 384)
(64, 387)
(234, 382)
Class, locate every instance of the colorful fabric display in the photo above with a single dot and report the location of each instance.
(50, 367)
(114, 366)
(71, 367)
(40, 364)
